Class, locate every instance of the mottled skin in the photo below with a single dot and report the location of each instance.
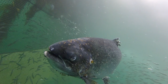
(87, 58)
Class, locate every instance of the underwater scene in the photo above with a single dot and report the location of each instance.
(137, 30)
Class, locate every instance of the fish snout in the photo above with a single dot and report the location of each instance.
(45, 53)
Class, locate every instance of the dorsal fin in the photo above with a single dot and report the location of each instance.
(117, 41)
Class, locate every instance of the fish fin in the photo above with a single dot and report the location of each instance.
(117, 42)
(106, 80)
(89, 81)
(63, 74)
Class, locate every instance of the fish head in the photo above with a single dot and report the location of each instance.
(69, 59)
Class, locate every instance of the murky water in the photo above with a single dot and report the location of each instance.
(27, 32)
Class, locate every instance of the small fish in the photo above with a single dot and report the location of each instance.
(52, 7)
(55, 79)
(26, 80)
(40, 66)
(2, 27)
(31, 80)
(19, 60)
(12, 43)
(13, 3)
(11, 72)
(156, 63)
(31, 69)
(38, 75)
(2, 32)
(32, 76)
(18, 10)
(32, 26)
(3, 24)
(45, 63)
(37, 81)
(3, 69)
(163, 74)
(15, 81)
(37, 69)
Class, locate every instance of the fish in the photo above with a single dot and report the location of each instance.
(11, 72)
(2, 27)
(18, 10)
(2, 32)
(3, 69)
(31, 80)
(26, 80)
(87, 58)
(12, 43)
(52, 7)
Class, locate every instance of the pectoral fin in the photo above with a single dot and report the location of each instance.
(106, 80)
(89, 81)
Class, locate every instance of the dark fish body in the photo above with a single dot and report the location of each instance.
(87, 58)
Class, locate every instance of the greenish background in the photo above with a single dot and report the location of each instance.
(140, 25)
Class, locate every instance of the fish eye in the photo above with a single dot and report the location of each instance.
(51, 48)
(73, 58)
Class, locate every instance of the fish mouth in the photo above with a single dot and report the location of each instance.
(58, 63)
(45, 53)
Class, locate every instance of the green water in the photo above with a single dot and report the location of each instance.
(140, 25)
